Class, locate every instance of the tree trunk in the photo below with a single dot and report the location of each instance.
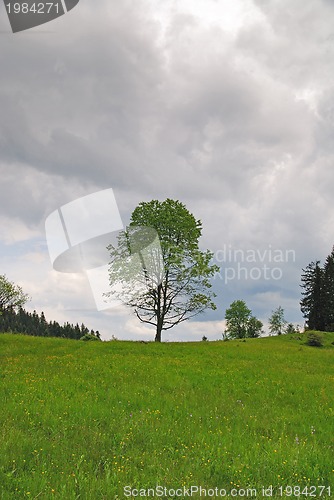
(158, 334)
(159, 315)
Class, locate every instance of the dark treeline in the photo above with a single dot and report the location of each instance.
(26, 323)
(317, 304)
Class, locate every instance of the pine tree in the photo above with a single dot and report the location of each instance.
(21, 321)
(313, 305)
(328, 293)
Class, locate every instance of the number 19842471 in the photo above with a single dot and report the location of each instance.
(35, 8)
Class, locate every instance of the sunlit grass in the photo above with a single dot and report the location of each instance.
(83, 420)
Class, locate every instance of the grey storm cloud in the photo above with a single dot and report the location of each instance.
(113, 108)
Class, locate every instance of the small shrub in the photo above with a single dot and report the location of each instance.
(89, 336)
(291, 329)
(204, 338)
(314, 339)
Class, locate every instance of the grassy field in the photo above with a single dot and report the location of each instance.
(83, 420)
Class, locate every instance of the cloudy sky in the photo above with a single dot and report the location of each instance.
(225, 106)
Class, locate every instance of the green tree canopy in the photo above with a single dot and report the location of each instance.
(277, 322)
(254, 328)
(175, 285)
(11, 295)
(240, 323)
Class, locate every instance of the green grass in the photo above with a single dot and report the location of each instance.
(82, 420)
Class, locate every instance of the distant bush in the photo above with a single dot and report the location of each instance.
(314, 339)
(204, 338)
(290, 328)
(89, 336)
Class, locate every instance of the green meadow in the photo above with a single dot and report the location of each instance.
(84, 420)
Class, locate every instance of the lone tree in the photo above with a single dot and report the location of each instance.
(11, 295)
(277, 322)
(240, 323)
(179, 286)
